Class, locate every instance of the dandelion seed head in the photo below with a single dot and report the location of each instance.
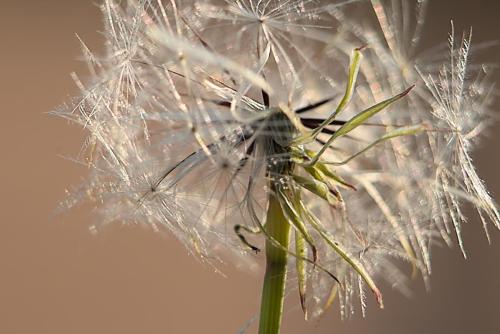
(199, 111)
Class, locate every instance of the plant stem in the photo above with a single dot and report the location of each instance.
(273, 291)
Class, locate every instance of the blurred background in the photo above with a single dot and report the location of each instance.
(57, 278)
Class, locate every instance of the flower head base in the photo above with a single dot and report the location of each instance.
(203, 114)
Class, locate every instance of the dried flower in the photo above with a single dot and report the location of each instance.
(204, 117)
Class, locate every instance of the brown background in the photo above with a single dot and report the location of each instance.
(57, 278)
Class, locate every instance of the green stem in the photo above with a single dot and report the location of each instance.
(273, 291)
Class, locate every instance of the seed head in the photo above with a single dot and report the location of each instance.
(200, 112)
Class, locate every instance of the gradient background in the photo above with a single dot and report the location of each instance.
(57, 278)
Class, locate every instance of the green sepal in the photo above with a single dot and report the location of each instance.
(293, 216)
(356, 121)
(301, 266)
(318, 188)
(326, 172)
(352, 261)
(399, 132)
(354, 64)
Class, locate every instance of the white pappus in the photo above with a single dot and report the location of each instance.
(199, 112)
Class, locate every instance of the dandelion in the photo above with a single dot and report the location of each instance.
(288, 126)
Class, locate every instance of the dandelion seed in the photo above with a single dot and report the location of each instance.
(251, 125)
